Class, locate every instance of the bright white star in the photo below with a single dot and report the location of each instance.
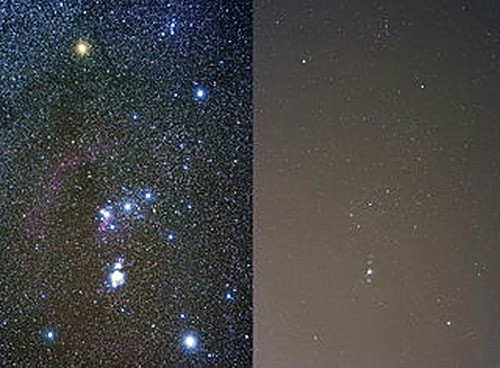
(117, 279)
(190, 341)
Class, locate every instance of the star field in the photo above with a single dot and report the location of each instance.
(126, 152)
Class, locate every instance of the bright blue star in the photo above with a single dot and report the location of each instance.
(229, 296)
(129, 206)
(135, 117)
(210, 355)
(49, 335)
(200, 94)
(171, 236)
(182, 316)
(190, 341)
(148, 195)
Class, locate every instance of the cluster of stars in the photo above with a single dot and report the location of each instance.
(117, 275)
(109, 218)
(369, 270)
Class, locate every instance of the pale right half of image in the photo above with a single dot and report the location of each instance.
(376, 176)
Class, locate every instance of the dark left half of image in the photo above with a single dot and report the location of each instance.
(126, 183)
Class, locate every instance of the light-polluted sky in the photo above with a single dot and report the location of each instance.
(376, 166)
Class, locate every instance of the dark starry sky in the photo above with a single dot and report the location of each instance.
(377, 168)
(126, 183)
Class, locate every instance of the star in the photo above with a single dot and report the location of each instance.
(129, 206)
(49, 335)
(147, 196)
(82, 48)
(190, 341)
(200, 94)
(171, 236)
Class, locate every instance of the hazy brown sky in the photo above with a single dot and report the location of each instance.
(376, 234)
